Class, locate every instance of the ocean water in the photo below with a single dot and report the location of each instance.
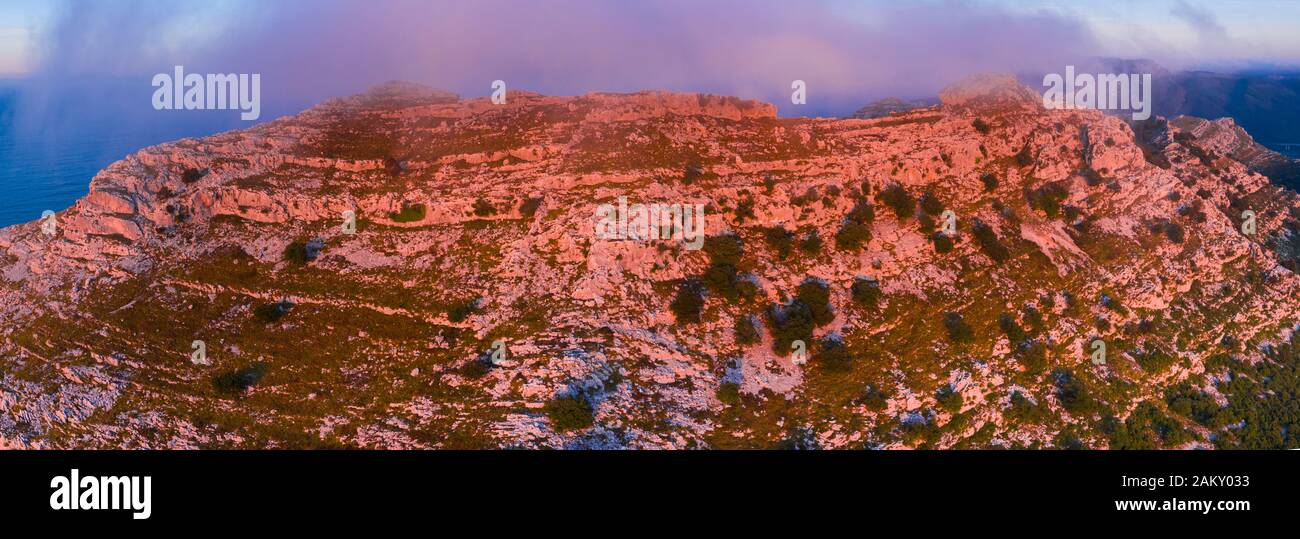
(53, 141)
(50, 171)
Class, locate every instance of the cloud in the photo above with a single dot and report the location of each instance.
(1202, 20)
(13, 50)
(309, 50)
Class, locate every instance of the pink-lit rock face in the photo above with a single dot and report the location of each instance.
(475, 224)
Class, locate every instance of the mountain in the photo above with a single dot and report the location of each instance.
(1225, 137)
(891, 105)
(209, 292)
(1266, 104)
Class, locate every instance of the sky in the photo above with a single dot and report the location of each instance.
(847, 51)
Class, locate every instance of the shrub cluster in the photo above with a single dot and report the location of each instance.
(958, 330)
(897, 198)
(988, 241)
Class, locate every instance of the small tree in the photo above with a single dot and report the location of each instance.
(931, 204)
(851, 236)
(789, 323)
(949, 399)
(811, 244)
(779, 240)
(865, 292)
(270, 312)
(728, 393)
(484, 208)
(817, 296)
(832, 353)
(570, 412)
(746, 328)
(988, 241)
(958, 330)
(689, 302)
(990, 181)
(296, 253)
(897, 198)
(942, 243)
(724, 249)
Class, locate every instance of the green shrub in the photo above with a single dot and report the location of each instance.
(691, 172)
(744, 209)
(1110, 300)
(729, 393)
(1091, 177)
(689, 302)
(942, 243)
(191, 175)
(746, 328)
(1023, 157)
(461, 311)
(1152, 359)
(723, 280)
(873, 398)
(1007, 322)
(1174, 232)
(530, 206)
(484, 208)
(832, 353)
(988, 241)
(897, 198)
(811, 244)
(1073, 394)
(724, 249)
(1190, 402)
(817, 296)
(990, 181)
(851, 236)
(296, 253)
(862, 213)
(949, 399)
(780, 240)
(865, 292)
(1147, 428)
(1033, 355)
(789, 323)
(1048, 198)
(238, 381)
(1033, 318)
(931, 204)
(409, 214)
(958, 330)
(271, 312)
(570, 412)
(981, 126)
(1022, 410)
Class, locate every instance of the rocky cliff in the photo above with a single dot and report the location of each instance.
(214, 293)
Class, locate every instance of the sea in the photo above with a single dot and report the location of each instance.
(52, 142)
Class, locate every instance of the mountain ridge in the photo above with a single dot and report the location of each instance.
(474, 227)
